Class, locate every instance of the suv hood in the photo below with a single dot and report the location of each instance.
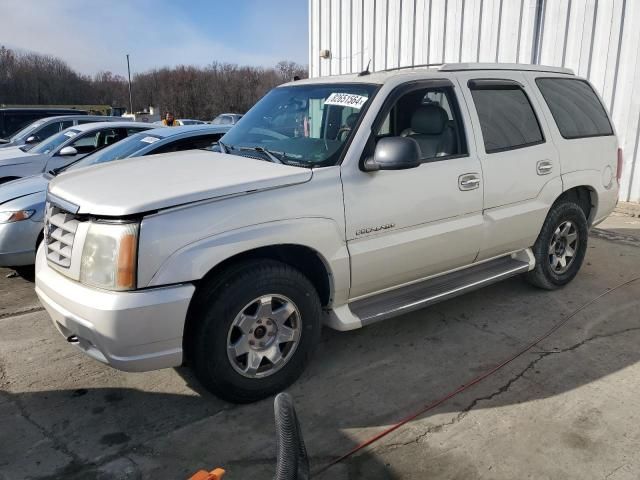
(13, 155)
(144, 184)
(23, 187)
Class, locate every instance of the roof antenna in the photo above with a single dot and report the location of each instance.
(366, 70)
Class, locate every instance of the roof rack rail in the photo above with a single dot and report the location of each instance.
(457, 67)
(410, 67)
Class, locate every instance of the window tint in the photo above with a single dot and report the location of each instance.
(48, 130)
(16, 121)
(95, 140)
(429, 117)
(507, 118)
(192, 143)
(575, 107)
(66, 124)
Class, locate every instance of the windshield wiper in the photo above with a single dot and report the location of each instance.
(223, 147)
(268, 153)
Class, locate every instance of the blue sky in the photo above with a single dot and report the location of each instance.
(93, 36)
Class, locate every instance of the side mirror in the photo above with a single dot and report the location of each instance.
(31, 139)
(68, 152)
(394, 153)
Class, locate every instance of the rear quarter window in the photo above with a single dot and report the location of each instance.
(575, 107)
(507, 118)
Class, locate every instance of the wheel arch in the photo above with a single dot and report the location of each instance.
(585, 196)
(303, 258)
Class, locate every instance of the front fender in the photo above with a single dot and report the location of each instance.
(323, 235)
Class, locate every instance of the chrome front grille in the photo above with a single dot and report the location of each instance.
(60, 229)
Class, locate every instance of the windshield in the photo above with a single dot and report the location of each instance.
(123, 149)
(54, 142)
(306, 125)
(24, 133)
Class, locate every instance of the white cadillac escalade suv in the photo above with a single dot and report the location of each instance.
(339, 201)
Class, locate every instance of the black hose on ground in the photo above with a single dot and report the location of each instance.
(293, 463)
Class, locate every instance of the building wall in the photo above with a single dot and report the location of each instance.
(598, 39)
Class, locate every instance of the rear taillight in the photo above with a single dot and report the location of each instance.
(620, 163)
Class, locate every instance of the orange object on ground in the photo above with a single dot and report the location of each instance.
(213, 475)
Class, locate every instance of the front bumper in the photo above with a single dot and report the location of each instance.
(18, 243)
(131, 331)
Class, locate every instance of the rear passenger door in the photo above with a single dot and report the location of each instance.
(520, 166)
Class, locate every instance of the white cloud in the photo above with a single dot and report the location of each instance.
(94, 36)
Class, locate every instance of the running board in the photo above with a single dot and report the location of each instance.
(419, 295)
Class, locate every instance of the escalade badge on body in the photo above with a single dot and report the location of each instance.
(364, 231)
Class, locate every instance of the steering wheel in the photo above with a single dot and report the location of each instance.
(341, 131)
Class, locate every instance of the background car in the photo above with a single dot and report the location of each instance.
(44, 128)
(22, 201)
(63, 148)
(13, 119)
(156, 141)
(226, 119)
(188, 121)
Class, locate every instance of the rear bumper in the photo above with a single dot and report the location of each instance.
(18, 243)
(131, 331)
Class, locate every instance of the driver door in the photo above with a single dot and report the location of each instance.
(405, 225)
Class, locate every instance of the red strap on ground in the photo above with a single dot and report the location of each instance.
(471, 383)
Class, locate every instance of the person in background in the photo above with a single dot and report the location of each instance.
(169, 120)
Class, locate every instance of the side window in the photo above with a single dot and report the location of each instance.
(95, 140)
(66, 124)
(15, 122)
(200, 142)
(575, 107)
(431, 117)
(48, 130)
(133, 131)
(192, 143)
(507, 118)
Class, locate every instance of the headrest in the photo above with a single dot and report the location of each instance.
(429, 120)
(351, 120)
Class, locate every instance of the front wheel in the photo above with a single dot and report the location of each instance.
(560, 247)
(257, 327)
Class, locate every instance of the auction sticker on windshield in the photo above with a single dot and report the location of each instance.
(346, 100)
(70, 134)
(150, 139)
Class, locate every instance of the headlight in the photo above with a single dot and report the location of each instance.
(16, 216)
(109, 256)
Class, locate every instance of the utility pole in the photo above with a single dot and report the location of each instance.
(130, 97)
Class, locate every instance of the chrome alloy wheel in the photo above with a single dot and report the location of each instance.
(563, 247)
(264, 336)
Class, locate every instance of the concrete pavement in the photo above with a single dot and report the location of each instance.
(568, 409)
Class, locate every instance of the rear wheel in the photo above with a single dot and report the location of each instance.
(560, 247)
(257, 327)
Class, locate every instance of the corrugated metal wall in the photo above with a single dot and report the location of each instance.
(598, 39)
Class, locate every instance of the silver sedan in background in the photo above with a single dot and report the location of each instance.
(63, 148)
(22, 201)
(44, 128)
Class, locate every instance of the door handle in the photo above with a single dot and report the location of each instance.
(468, 181)
(544, 167)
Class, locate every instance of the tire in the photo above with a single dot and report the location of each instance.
(564, 220)
(28, 272)
(232, 310)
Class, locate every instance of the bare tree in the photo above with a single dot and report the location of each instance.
(188, 91)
